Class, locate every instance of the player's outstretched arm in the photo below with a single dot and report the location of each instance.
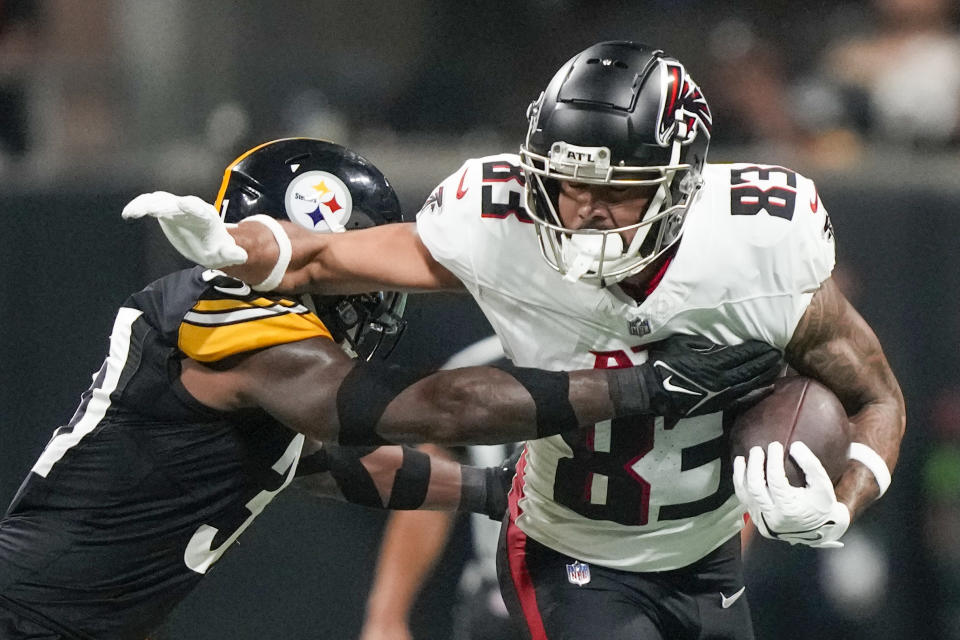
(314, 388)
(835, 345)
(387, 257)
(291, 258)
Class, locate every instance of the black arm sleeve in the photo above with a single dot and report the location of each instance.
(353, 479)
(410, 482)
(363, 397)
(550, 391)
(369, 388)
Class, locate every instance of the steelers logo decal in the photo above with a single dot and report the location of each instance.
(319, 201)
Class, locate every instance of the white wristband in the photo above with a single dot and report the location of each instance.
(871, 460)
(272, 281)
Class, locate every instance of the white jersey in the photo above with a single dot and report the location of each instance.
(637, 494)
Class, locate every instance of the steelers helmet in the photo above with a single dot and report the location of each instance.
(621, 114)
(326, 188)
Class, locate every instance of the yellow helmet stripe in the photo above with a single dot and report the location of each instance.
(226, 174)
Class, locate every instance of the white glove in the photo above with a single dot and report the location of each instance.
(191, 225)
(809, 515)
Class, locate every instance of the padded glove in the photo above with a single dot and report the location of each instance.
(690, 376)
(191, 225)
(809, 515)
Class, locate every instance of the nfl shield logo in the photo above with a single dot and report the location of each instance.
(639, 327)
(578, 573)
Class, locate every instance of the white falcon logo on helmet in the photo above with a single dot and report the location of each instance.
(682, 102)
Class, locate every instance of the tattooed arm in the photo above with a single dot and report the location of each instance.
(834, 344)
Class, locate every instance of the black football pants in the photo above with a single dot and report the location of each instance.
(702, 601)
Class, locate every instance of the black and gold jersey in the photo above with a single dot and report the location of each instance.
(143, 490)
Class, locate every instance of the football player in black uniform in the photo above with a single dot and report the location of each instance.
(215, 395)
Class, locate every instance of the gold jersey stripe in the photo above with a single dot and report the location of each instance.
(231, 304)
(211, 343)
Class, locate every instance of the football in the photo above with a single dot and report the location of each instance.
(799, 409)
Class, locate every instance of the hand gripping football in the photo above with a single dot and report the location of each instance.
(799, 409)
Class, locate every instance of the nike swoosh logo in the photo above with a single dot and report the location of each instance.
(796, 534)
(669, 386)
(726, 602)
(242, 288)
(460, 190)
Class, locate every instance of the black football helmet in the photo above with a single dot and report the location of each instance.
(618, 113)
(326, 188)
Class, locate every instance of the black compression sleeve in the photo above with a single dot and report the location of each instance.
(629, 390)
(319, 460)
(352, 477)
(316, 462)
(483, 490)
(550, 391)
(473, 489)
(411, 481)
(363, 397)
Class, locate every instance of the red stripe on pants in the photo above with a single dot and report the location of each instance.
(517, 559)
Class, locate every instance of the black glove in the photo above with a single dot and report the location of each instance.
(484, 489)
(691, 376)
(499, 479)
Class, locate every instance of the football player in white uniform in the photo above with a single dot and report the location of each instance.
(607, 234)
(214, 396)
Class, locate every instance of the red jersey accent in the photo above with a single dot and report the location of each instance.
(516, 490)
(460, 190)
(659, 276)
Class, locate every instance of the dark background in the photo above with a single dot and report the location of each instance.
(105, 100)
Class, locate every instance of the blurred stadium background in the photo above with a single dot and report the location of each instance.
(104, 99)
